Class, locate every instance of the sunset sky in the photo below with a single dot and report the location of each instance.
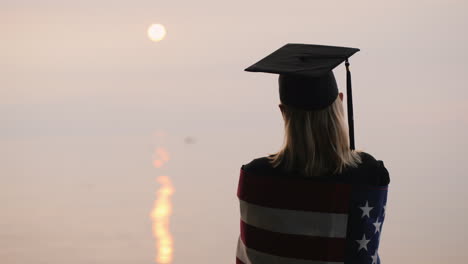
(87, 97)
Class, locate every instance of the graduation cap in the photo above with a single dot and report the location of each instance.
(306, 79)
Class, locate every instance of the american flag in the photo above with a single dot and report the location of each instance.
(304, 221)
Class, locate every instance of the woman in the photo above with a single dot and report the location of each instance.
(316, 200)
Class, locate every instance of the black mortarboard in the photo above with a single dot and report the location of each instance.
(306, 79)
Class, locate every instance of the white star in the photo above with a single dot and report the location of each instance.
(377, 225)
(374, 258)
(366, 210)
(363, 242)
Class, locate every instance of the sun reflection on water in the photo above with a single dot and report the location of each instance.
(161, 211)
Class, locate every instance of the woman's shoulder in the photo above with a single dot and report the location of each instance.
(259, 165)
(373, 170)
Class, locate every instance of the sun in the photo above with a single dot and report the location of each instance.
(156, 32)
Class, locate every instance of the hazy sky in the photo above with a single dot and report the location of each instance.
(83, 92)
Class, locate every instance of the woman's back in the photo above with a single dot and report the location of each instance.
(288, 218)
(372, 171)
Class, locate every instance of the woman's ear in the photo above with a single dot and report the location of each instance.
(341, 96)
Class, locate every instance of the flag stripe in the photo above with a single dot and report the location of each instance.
(305, 222)
(246, 255)
(294, 194)
(296, 246)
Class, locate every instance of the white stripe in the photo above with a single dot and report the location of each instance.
(242, 252)
(252, 256)
(294, 221)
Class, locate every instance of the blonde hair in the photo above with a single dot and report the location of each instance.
(316, 142)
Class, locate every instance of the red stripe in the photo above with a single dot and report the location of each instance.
(238, 261)
(294, 193)
(293, 246)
